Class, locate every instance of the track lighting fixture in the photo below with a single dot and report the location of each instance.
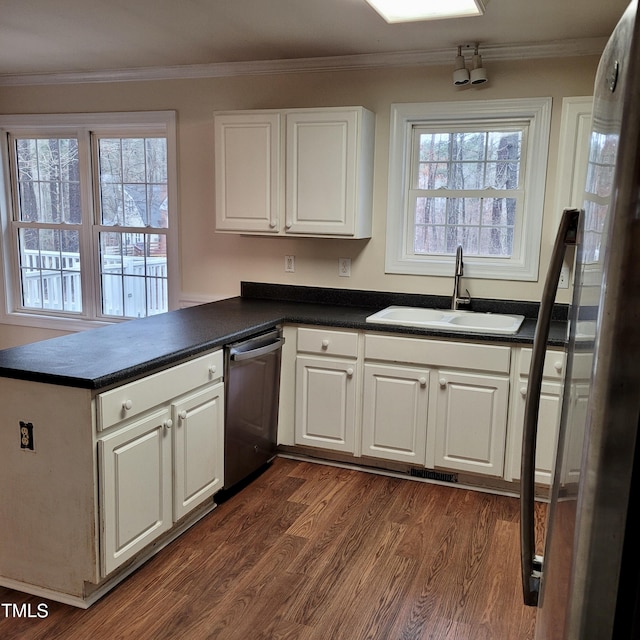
(478, 73)
(461, 75)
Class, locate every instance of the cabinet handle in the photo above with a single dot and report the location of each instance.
(273, 224)
(288, 225)
(325, 344)
(558, 366)
(350, 372)
(127, 404)
(182, 415)
(422, 381)
(443, 382)
(523, 392)
(212, 369)
(168, 423)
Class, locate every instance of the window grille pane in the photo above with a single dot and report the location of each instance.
(133, 160)
(484, 226)
(496, 241)
(48, 180)
(133, 188)
(434, 147)
(50, 269)
(133, 271)
(133, 182)
(503, 145)
(433, 175)
(499, 211)
(429, 240)
(431, 210)
(469, 146)
(475, 162)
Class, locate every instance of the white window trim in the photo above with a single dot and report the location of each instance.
(103, 123)
(573, 152)
(525, 261)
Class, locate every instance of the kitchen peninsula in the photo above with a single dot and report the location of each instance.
(89, 401)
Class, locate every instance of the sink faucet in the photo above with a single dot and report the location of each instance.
(457, 299)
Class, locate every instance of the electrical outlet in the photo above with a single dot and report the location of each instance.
(289, 264)
(565, 274)
(344, 267)
(26, 436)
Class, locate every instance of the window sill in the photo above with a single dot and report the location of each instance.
(70, 325)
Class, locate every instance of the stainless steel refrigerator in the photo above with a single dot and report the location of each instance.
(586, 585)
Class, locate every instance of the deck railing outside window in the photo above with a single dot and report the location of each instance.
(51, 280)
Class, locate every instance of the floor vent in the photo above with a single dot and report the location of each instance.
(434, 475)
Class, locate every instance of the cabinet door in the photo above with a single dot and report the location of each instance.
(548, 423)
(135, 487)
(247, 170)
(326, 403)
(394, 416)
(198, 455)
(321, 172)
(471, 422)
(574, 434)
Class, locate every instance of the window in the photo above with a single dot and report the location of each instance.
(87, 215)
(470, 174)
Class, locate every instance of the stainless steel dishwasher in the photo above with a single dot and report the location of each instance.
(252, 389)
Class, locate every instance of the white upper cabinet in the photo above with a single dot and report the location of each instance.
(247, 156)
(303, 172)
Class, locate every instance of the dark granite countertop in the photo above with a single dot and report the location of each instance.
(111, 355)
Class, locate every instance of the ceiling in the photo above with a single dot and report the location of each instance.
(89, 36)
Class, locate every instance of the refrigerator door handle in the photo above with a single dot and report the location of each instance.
(530, 563)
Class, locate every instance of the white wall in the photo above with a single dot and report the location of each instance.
(212, 265)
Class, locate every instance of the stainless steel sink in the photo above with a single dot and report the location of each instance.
(448, 320)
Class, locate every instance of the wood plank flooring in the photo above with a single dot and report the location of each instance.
(315, 552)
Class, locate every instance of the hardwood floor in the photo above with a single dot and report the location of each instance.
(314, 552)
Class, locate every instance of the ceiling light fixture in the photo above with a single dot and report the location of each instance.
(415, 10)
(478, 73)
(460, 73)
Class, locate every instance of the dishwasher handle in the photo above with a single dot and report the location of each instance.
(237, 355)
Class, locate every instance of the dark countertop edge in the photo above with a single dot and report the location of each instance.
(322, 309)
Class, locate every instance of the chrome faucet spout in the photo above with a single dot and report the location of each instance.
(459, 264)
(456, 298)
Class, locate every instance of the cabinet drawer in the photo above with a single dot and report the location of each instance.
(133, 398)
(554, 364)
(329, 342)
(438, 353)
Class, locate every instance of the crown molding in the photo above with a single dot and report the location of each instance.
(555, 49)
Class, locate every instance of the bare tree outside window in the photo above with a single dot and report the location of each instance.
(132, 221)
(49, 200)
(463, 184)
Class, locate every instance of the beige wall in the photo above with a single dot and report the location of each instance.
(212, 265)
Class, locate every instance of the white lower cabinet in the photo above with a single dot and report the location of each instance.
(548, 414)
(471, 422)
(157, 466)
(427, 402)
(326, 403)
(115, 475)
(135, 481)
(394, 412)
(327, 386)
(198, 448)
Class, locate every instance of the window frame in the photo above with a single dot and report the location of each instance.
(83, 127)
(405, 117)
